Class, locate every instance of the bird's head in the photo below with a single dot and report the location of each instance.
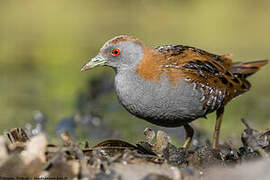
(121, 52)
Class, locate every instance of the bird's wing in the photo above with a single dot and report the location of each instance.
(187, 52)
(207, 71)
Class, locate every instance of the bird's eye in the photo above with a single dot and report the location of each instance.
(115, 52)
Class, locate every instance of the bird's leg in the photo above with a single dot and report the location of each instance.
(220, 112)
(189, 134)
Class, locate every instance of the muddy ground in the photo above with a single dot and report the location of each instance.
(153, 158)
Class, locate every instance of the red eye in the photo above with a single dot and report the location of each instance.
(115, 52)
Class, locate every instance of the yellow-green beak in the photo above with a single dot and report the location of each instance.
(94, 62)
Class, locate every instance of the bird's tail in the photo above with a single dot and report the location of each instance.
(246, 69)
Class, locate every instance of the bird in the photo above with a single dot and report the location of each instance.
(173, 85)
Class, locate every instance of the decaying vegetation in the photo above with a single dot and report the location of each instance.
(155, 157)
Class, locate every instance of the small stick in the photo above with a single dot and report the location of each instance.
(245, 123)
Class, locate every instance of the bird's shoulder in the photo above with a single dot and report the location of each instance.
(179, 61)
(189, 56)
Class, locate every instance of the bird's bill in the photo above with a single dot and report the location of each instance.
(94, 62)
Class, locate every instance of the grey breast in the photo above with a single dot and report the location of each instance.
(159, 103)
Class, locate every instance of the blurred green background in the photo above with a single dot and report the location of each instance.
(43, 45)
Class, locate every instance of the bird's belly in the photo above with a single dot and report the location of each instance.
(161, 104)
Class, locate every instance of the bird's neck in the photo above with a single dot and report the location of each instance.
(128, 86)
(141, 74)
